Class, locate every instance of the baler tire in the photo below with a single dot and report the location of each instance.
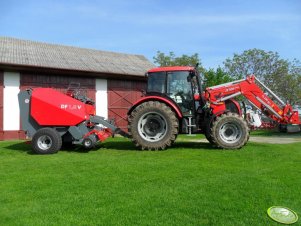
(230, 131)
(88, 143)
(153, 126)
(46, 141)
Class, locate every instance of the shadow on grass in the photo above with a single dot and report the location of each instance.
(25, 147)
(129, 146)
(194, 145)
(124, 145)
(20, 147)
(76, 149)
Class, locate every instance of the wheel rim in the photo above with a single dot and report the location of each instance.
(152, 127)
(44, 142)
(87, 143)
(230, 132)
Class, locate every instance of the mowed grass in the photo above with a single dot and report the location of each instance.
(189, 184)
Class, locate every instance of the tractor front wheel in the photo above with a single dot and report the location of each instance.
(153, 126)
(230, 131)
(46, 141)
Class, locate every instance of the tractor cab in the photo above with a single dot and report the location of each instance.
(179, 84)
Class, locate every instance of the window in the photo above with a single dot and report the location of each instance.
(156, 82)
(179, 89)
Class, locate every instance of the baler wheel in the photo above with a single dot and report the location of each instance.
(88, 143)
(153, 126)
(230, 131)
(46, 141)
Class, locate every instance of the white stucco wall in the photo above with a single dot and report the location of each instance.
(102, 97)
(11, 113)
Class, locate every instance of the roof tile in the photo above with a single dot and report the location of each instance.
(31, 53)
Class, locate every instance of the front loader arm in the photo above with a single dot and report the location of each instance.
(282, 113)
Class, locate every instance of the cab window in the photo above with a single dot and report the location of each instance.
(156, 82)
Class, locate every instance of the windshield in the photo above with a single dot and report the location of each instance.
(177, 83)
(179, 89)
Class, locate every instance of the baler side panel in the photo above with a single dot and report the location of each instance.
(51, 108)
(28, 124)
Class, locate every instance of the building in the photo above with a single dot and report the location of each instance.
(113, 80)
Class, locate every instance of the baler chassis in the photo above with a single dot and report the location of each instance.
(53, 119)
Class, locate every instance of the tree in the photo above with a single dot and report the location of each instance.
(216, 77)
(288, 84)
(171, 60)
(254, 61)
(211, 76)
(281, 76)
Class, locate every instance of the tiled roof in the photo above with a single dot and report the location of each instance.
(37, 54)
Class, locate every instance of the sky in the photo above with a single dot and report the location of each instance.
(213, 29)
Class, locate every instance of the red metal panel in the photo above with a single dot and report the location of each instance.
(121, 96)
(52, 108)
(173, 68)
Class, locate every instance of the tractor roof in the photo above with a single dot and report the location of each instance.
(174, 68)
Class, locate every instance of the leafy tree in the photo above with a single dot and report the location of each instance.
(254, 61)
(216, 77)
(211, 76)
(163, 60)
(288, 84)
(281, 76)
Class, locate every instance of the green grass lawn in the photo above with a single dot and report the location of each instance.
(189, 184)
(273, 132)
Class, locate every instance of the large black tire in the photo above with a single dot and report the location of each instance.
(153, 126)
(46, 141)
(89, 142)
(230, 131)
(208, 134)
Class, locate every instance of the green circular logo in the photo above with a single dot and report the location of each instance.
(282, 215)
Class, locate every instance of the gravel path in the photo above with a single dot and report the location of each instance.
(276, 139)
(269, 140)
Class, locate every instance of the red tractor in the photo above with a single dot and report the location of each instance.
(176, 103)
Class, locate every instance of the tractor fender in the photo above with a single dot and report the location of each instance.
(168, 102)
(230, 105)
(233, 106)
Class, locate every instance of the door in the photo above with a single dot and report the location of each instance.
(121, 96)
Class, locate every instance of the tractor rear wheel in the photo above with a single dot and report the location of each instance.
(230, 131)
(153, 126)
(46, 141)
